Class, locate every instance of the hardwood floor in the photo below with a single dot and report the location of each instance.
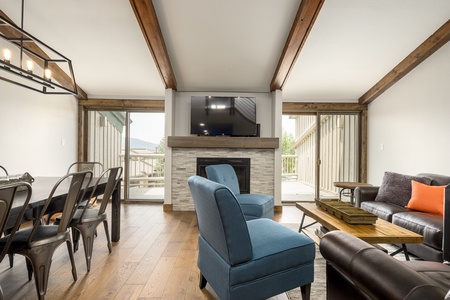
(156, 258)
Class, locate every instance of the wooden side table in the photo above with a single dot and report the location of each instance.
(351, 186)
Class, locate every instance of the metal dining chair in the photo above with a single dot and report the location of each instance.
(7, 197)
(93, 166)
(4, 170)
(39, 242)
(86, 220)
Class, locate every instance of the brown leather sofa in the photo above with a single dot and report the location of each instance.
(434, 228)
(356, 270)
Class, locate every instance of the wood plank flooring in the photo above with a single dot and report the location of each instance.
(156, 258)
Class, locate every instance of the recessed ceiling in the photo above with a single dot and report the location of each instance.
(233, 45)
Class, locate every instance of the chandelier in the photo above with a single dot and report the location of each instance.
(30, 63)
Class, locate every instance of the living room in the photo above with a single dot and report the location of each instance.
(406, 124)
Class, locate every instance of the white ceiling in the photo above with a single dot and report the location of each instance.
(233, 45)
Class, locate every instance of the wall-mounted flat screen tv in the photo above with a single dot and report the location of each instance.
(233, 116)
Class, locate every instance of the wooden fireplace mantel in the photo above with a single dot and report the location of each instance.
(222, 142)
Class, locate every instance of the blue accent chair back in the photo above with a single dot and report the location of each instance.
(241, 259)
(254, 206)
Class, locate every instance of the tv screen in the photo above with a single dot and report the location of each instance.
(233, 116)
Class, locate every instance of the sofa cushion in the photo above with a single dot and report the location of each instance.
(427, 198)
(396, 188)
(439, 274)
(428, 225)
(383, 210)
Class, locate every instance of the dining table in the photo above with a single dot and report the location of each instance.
(41, 188)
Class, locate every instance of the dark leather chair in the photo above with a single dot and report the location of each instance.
(357, 270)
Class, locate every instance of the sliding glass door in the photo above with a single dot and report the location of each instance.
(326, 150)
(133, 140)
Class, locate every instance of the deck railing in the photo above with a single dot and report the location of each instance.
(289, 167)
(145, 170)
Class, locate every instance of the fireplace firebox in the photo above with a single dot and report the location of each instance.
(240, 165)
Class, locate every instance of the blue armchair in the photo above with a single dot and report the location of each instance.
(241, 259)
(254, 206)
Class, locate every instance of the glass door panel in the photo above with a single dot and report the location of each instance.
(146, 156)
(338, 153)
(298, 158)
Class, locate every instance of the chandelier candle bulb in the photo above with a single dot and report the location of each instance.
(47, 74)
(30, 66)
(7, 55)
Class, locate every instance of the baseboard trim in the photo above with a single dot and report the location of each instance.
(167, 207)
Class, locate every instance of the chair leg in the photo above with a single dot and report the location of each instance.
(202, 282)
(29, 268)
(11, 259)
(72, 260)
(75, 239)
(41, 260)
(105, 224)
(87, 233)
(306, 291)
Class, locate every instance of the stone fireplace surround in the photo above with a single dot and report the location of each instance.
(185, 151)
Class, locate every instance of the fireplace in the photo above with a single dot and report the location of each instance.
(240, 165)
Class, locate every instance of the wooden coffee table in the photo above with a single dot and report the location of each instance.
(382, 232)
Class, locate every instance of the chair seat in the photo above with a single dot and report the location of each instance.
(255, 206)
(90, 215)
(42, 233)
(275, 248)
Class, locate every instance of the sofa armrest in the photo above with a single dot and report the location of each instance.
(365, 193)
(446, 241)
(377, 274)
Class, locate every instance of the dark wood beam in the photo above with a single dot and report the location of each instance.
(57, 73)
(123, 104)
(303, 23)
(421, 53)
(296, 108)
(148, 21)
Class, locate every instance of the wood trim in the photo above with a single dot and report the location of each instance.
(303, 23)
(222, 142)
(167, 207)
(296, 108)
(57, 73)
(363, 146)
(123, 104)
(278, 209)
(148, 21)
(421, 53)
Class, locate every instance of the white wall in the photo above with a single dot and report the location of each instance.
(412, 122)
(33, 129)
(182, 108)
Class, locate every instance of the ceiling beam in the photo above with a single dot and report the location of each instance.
(148, 21)
(303, 23)
(57, 73)
(421, 53)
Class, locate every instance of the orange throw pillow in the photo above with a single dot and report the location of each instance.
(427, 198)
